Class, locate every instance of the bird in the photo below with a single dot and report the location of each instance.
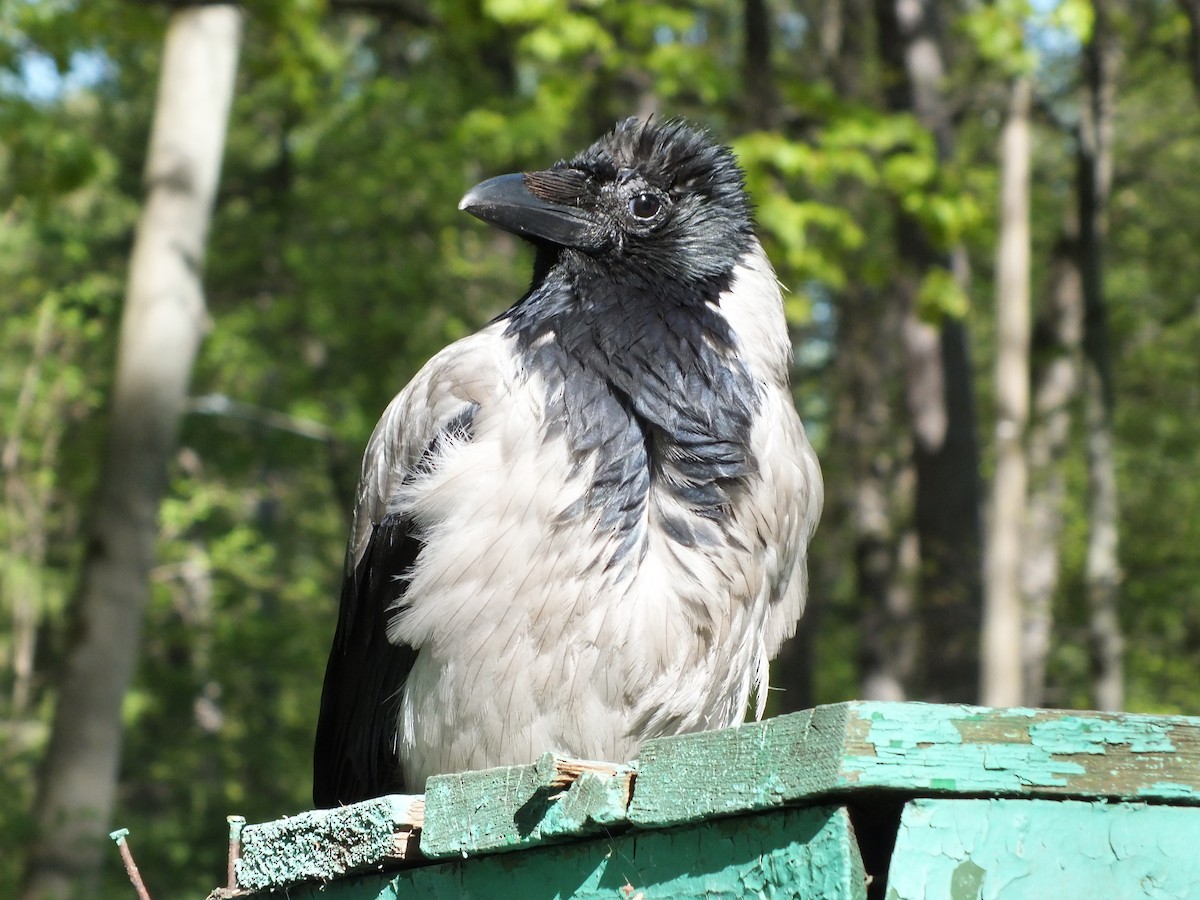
(587, 524)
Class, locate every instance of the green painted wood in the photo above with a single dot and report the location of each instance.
(794, 853)
(509, 808)
(843, 753)
(990, 849)
(325, 844)
(917, 749)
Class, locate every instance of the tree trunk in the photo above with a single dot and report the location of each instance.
(1191, 9)
(876, 466)
(27, 501)
(843, 28)
(161, 327)
(870, 477)
(938, 385)
(1095, 180)
(760, 104)
(1001, 658)
(1056, 342)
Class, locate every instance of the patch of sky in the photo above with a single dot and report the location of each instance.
(792, 29)
(1053, 30)
(36, 77)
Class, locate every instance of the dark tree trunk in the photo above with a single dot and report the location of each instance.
(843, 37)
(760, 103)
(869, 467)
(1056, 341)
(1095, 180)
(1191, 9)
(878, 481)
(939, 379)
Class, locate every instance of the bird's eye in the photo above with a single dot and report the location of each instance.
(645, 206)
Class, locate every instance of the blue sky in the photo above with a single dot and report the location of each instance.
(37, 78)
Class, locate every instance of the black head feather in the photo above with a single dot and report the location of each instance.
(667, 200)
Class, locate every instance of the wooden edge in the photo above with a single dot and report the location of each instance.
(831, 753)
(918, 749)
(325, 844)
(508, 808)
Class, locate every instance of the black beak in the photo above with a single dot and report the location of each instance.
(507, 202)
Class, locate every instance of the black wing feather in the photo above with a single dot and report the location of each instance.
(354, 757)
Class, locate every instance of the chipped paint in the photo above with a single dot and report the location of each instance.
(917, 748)
(1022, 751)
(831, 755)
(519, 806)
(1169, 790)
(988, 849)
(324, 844)
(808, 853)
(944, 748)
(1076, 734)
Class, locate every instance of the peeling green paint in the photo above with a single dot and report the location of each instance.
(917, 748)
(321, 844)
(949, 748)
(806, 853)
(966, 881)
(1073, 734)
(518, 806)
(1168, 790)
(834, 754)
(989, 849)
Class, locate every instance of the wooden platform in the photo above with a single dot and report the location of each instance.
(853, 800)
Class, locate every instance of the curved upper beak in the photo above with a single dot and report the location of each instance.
(506, 202)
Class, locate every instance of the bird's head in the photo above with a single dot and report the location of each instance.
(662, 199)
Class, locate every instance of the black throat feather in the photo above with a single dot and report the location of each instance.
(644, 383)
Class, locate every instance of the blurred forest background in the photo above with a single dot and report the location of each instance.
(986, 214)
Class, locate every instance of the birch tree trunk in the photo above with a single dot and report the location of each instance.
(938, 385)
(1103, 573)
(1001, 658)
(163, 321)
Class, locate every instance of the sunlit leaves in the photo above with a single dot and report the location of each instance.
(1075, 17)
(940, 295)
(796, 187)
(998, 32)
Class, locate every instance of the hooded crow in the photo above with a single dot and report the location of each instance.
(587, 524)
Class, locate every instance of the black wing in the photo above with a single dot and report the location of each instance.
(354, 757)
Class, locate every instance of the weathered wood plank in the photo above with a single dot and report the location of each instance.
(328, 843)
(805, 853)
(833, 752)
(918, 749)
(504, 809)
(969, 849)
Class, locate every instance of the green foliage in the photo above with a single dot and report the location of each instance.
(997, 31)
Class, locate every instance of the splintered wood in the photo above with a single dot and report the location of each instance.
(768, 807)
(567, 771)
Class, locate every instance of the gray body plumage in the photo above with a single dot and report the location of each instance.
(587, 524)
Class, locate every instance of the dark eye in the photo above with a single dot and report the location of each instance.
(645, 206)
